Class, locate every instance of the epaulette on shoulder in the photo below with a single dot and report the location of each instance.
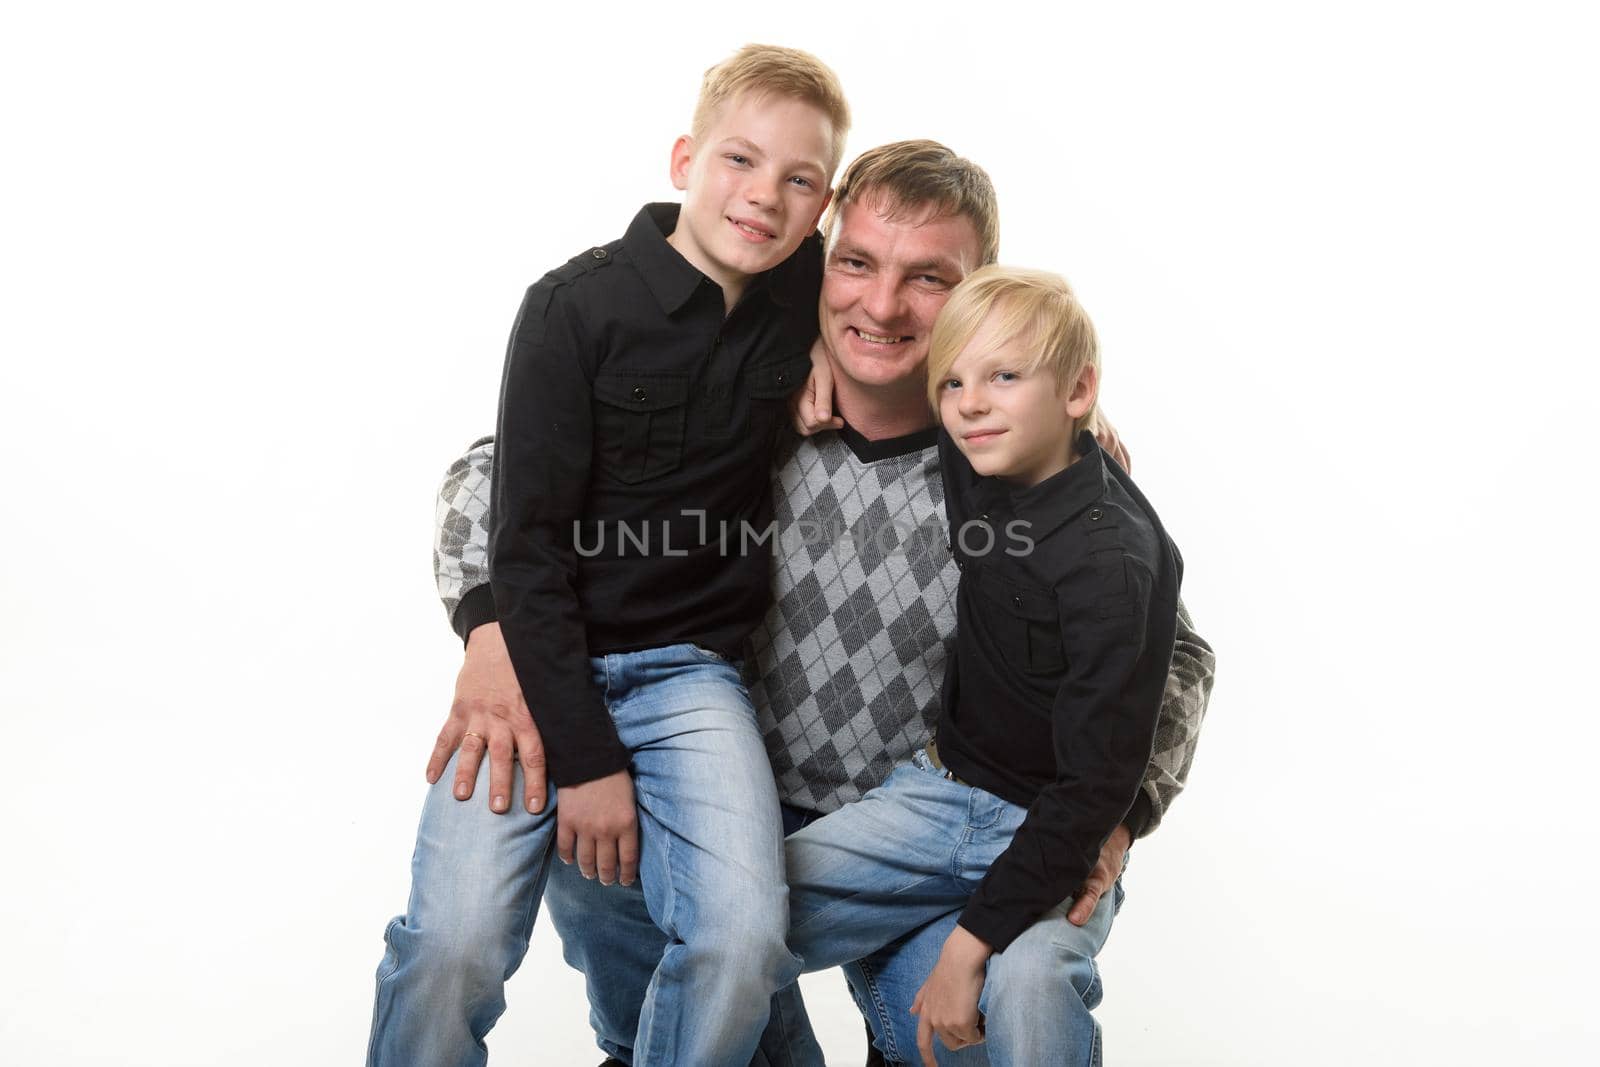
(585, 262)
(536, 302)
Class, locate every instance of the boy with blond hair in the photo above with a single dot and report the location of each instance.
(1066, 613)
(644, 388)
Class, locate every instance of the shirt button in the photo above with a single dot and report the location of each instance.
(783, 378)
(598, 253)
(1094, 514)
(1016, 602)
(984, 517)
(639, 392)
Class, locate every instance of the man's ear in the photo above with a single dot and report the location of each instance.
(1081, 397)
(682, 157)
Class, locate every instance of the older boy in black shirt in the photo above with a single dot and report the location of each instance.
(644, 387)
(1065, 630)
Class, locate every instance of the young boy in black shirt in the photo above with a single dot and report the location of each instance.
(1065, 627)
(644, 387)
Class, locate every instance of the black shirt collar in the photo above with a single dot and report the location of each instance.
(1060, 497)
(671, 278)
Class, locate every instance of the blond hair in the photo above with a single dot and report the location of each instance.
(769, 70)
(1034, 307)
(908, 178)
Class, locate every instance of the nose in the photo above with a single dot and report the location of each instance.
(883, 300)
(761, 189)
(972, 400)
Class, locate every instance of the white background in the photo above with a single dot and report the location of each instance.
(259, 268)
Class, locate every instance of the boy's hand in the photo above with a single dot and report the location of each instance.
(596, 822)
(1106, 434)
(947, 1003)
(1105, 873)
(812, 406)
(490, 715)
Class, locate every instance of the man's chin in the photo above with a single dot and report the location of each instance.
(881, 370)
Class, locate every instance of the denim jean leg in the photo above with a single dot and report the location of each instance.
(788, 1040)
(712, 855)
(1040, 993)
(886, 983)
(476, 878)
(608, 936)
(873, 871)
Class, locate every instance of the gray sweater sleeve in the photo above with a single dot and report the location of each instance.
(461, 539)
(1183, 709)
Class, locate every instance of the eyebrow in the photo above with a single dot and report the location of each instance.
(937, 265)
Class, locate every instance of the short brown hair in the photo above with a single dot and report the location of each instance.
(908, 177)
(1034, 305)
(767, 69)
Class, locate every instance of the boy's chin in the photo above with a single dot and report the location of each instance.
(986, 466)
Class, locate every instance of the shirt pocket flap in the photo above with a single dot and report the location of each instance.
(1024, 602)
(642, 392)
(780, 377)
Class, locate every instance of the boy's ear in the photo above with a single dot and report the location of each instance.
(682, 157)
(1080, 398)
(825, 202)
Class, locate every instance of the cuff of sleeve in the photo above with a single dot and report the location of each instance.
(475, 609)
(571, 768)
(1138, 818)
(995, 926)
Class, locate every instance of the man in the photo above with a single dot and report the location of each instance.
(844, 670)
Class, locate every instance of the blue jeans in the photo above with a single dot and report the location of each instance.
(895, 869)
(608, 935)
(710, 838)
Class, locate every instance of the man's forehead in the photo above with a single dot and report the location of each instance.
(924, 234)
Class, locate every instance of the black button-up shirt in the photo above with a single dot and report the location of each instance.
(1065, 621)
(632, 468)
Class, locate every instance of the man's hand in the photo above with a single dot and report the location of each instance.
(1106, 434)
(812, 406)
(947, 1003)
(1100, 880)
(490, 715)
(596, 823)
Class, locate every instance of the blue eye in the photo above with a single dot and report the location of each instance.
(805, 182)
(1007, 375)
(736, 159)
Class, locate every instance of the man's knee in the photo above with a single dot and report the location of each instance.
(1047, 973)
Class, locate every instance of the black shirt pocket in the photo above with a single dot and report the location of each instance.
(776, 379)
(639, 424)
(1024, 621)
(769, 386)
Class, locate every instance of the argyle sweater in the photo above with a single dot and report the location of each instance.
(844, 670)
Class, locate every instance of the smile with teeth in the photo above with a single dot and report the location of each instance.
(753, 231)
(878, 339)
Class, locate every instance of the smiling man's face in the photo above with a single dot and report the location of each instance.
(883, 286)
